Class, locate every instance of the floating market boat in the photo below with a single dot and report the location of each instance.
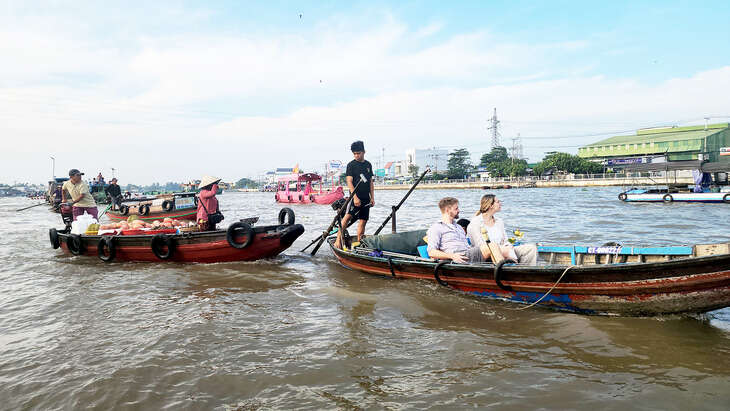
(178, 206)
(305, 191)
(609, 280)
(239, 242)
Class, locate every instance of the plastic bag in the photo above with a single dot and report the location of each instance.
(82, 223)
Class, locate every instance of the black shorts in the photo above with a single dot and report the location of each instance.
(359, 213)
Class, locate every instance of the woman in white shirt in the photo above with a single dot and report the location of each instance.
(491, 227)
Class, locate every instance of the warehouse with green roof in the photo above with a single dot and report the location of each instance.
(711, 142)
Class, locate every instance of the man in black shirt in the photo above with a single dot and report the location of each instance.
(114, 192)
(364, 197)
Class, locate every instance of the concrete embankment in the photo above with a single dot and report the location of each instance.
(567, 182)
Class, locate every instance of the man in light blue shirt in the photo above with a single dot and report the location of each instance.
(447, 240)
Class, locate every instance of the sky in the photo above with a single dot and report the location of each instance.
(173, 90)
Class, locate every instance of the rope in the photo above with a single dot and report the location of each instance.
(548, 291)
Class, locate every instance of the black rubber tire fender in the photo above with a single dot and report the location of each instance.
(236, 227)
(144, 209)
(726, 198)
(123, 209)
(436, 273)
(158, 240)
(167, 205)
(73, 243)
(109, 243)
(53, 234)
(287, 213)
(498, 273)
(622, 196)
(667, 198)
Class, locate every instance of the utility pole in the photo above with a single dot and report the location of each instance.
(494, 123)
(53, 169)
(706, 154)
(113, 170)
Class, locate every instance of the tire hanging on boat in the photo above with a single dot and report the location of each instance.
(622, 196)
(108, 243)
(167, 205)
(236, 227)
(667, 198)
(144, 209)
(73, 242)
(498, 273)
(156, 245)
(436, 273)
(726, 198)
(287, 213)
(123, 210)
(53, 234)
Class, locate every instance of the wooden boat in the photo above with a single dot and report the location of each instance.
(239, 242)
(667, 195)
(305, 191)
(607, 280)
(178, 206)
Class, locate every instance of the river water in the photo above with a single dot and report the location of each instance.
(297, 332)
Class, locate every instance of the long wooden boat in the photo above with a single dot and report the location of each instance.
(178, 206)
(607, 280)
(239, 242)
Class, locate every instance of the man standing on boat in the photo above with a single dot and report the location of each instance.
(114, 192)
(364, 197)
(81, 198)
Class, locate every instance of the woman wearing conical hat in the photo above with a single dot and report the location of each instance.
(207, 203)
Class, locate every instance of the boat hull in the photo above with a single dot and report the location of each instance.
(197, 247)
(686, 285)
(682, 197)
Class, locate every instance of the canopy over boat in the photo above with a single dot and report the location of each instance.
(306, 178)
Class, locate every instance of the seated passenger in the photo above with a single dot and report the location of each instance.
(447, 240)
(491, 227)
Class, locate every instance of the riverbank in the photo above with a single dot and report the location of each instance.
(559, 181)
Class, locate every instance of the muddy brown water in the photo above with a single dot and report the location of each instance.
(297, 332)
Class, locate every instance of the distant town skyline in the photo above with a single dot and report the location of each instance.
(170, 91)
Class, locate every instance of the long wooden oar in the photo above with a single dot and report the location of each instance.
(403, 200)
(342, 209)
(104, 212)
(34, 205)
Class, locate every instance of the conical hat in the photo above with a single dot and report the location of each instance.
(208, 180)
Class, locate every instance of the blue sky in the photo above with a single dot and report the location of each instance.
(232, 80)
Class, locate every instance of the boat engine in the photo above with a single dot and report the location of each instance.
(67, 215)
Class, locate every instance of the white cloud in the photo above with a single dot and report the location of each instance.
(173, 107)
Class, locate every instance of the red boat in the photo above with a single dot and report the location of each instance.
(178, 206)
(239, 242)
(610, 280)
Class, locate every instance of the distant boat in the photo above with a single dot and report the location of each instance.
(305, 191)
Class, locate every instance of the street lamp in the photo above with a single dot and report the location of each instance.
(53, 170)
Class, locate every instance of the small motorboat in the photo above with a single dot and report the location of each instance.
(305, 191)
(241, 241)
(607, 280)
(670, 195)
(178, 206)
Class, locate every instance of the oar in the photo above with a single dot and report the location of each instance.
(35, 205)
(104, 212)
(326, 232)
(395, 209)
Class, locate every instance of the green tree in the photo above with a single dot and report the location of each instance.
(246, 183)
(413, 170)
(567, 163)
(498, 154)
(459, 163)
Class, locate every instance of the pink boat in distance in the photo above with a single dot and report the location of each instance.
(305, 191)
